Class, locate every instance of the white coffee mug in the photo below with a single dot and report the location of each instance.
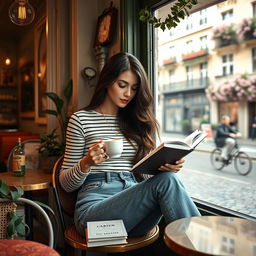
(113, 147)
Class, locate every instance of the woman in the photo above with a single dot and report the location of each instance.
(120, 108)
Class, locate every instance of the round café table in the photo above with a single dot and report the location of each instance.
(32, 180)
(211, 236)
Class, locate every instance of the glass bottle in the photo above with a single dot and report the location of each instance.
(18, 160)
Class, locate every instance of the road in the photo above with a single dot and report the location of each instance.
(225, 188)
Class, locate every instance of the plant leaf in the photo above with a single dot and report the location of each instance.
(57, 101)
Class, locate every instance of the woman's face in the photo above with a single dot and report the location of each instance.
(123, 90)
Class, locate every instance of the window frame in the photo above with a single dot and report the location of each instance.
(136, 38)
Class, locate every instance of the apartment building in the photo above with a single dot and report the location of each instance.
(213, 48)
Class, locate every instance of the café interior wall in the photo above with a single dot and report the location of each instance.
(26, 55)
(87, 14)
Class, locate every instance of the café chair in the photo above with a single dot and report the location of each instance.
(4, 204)
(31, 152)
(66, 204)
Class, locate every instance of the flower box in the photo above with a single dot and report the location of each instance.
(193, 55)
(169, 61)
(247, 29)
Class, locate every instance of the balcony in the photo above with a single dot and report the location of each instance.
(170, 61)
(219, 43)
(187, 85)
(193, 55)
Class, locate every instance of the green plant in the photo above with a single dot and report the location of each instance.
(50, 145)
(50, 142)
(16, 226)
(178, 11)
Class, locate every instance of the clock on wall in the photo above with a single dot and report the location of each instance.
(106, 27)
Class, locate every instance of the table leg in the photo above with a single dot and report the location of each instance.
(29, 215)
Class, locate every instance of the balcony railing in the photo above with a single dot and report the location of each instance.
(187, 85)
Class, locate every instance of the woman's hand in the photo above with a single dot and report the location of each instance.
(96, 155)
(172, 167)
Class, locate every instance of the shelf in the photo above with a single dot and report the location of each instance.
(8, 87)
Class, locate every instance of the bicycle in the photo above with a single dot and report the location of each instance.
(243, 163)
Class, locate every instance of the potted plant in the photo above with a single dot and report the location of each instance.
(15, 224)
(52, 145)
(224, 35)
(247, 29)
(185, 126)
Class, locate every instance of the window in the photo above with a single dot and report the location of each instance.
(253, 59)
(203, 17)
(203, 73)
(186, 104)
(203, 42)
(189, 46)
(228, 245)
(254, 9)
(189, 21)
(189, 71)
(227, 64)
(171, 76)
(227, 16)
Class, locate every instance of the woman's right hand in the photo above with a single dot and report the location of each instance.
(96, 155)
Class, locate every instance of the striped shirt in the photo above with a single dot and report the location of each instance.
(84, 129)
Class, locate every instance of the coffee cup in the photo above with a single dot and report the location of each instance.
(113, 147)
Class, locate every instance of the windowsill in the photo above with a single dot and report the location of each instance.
(212, 209)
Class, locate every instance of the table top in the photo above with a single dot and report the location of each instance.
(33, 180)
(211, 235)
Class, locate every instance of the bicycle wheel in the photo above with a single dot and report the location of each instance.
(243, 163)
(216, 160)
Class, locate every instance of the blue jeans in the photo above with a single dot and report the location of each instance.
(109, 196)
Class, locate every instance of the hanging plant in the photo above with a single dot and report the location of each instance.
(236, 89)
(179, 10)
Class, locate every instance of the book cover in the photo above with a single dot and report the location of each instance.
(168, 152)
(105, 230)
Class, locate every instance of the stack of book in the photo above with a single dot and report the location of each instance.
(109, 232)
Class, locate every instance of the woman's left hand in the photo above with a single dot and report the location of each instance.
(172, 167)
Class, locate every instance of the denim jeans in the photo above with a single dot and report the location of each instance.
(109, 196)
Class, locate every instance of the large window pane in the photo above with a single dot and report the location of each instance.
(200, 58)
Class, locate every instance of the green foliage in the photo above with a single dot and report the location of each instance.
(178, 11)
(50, 145)
(16, 224)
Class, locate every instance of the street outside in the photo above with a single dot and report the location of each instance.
(225, 188)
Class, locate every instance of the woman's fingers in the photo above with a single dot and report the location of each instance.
(97, 153)
(173, 167)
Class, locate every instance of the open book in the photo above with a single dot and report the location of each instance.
(168, 152)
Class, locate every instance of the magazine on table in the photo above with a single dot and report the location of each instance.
(168, 152)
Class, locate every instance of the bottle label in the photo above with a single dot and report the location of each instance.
(18, 163)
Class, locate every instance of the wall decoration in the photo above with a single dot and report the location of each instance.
(40, 71)
(27, 82)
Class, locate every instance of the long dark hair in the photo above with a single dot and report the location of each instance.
(137, 121)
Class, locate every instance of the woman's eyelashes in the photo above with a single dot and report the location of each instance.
(122, 86)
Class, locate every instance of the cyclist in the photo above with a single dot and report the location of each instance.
(226, 137)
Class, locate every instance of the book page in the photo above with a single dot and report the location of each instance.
(189, 140)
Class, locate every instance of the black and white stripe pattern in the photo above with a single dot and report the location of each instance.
(84, 129)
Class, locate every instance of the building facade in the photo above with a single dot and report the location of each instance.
(203, 65)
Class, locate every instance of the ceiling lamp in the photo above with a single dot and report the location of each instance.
(21, 12)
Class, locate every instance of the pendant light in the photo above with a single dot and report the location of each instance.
(21, 12)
